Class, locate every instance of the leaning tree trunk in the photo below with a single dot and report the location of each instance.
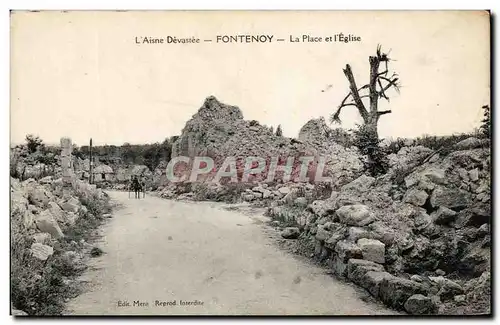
(370, 118)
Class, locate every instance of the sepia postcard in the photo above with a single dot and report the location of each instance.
(250, 163)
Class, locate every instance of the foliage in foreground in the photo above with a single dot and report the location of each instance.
(41, 288)
(369, 145)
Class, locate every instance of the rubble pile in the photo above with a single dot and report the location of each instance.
(416, 246)
(219, 131)
(45, 215)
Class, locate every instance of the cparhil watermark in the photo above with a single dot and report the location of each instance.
(241, 170)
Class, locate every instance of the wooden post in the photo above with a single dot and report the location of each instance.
(91, 163)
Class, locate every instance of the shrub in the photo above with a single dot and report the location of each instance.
(183, 187)
(229, 193)
(78, 154)
(322, 191)
(287, 215)
(394, 146)
(342, 137)
(201, 192)
(368, 144)
(399, 174)
(33, 143)
(95, 206)
(83, 227)
(46, 158)
(37, 287)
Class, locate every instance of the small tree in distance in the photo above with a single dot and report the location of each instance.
(279, 131)
(33, 143)
(486, 122)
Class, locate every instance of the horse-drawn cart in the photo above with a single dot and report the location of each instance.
(137, 187)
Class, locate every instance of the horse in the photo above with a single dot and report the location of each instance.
(137, 187)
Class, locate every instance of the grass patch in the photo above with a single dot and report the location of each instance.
(287, 216)
(438, 142)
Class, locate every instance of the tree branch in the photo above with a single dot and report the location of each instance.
(348, 104)
(390, 84)
(384, 112)
(344, 100)
(364, 87)
(381, 93)
(336, 116)
(386, 79)
(382, 73)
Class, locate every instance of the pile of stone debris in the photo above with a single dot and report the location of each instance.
(219, 131)
(41, 211)
(422, 246)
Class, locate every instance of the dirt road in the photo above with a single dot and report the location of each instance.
(161, 253)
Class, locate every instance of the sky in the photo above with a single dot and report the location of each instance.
(82, 75)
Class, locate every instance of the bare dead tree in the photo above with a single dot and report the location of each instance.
(366, 135)
(377, 88)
